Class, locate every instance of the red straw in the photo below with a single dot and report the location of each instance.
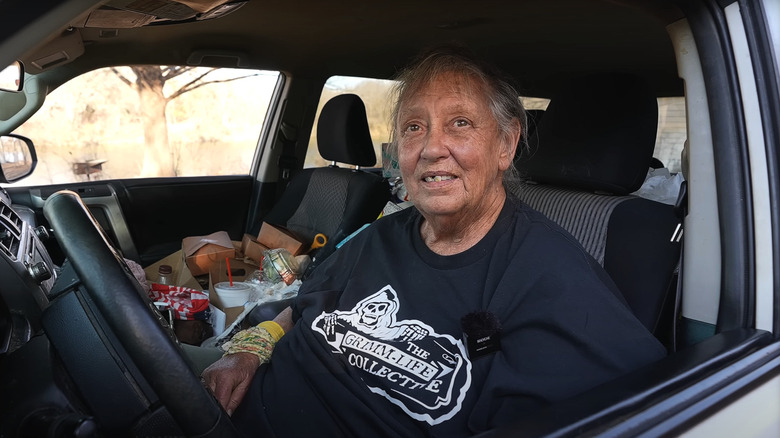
(230, 274)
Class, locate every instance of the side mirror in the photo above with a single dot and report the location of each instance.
(17, 157)
(12, 77)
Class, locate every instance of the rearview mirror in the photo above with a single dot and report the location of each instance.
(17, 157)
(12, 77)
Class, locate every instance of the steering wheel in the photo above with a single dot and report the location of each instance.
(129, 313)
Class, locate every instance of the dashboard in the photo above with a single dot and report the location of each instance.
(27, 275)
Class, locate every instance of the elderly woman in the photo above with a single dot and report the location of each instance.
(448, 318)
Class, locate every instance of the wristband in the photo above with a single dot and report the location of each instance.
(273, 329)
(258, 340)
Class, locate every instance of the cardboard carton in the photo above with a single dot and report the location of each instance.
(252, 250)
(191, 332)
(274, 237)
(244, 242)
(202, 252)
(181, 275)
(254, 253)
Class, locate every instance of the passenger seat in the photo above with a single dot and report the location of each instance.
(332, 200)
(591, 150)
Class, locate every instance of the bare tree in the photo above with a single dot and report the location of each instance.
(149, 83)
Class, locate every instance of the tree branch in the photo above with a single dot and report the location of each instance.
(172, 71)
(122, 77)
(192, 85)
(189, 84)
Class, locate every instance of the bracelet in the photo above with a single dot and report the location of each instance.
(258, 340)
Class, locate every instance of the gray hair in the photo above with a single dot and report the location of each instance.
(502, 96)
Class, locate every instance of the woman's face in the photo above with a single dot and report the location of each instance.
(450, 150)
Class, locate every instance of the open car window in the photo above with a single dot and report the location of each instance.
(150, 121)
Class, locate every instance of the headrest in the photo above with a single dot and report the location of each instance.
(342, 132)
(598, 134)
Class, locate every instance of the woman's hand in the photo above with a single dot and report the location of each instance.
(230, 377)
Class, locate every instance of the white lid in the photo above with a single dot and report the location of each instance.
(238, 286)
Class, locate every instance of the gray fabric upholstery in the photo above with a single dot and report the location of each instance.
(322, 206)
(585, 215)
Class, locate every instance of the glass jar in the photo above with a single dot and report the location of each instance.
(164, 273)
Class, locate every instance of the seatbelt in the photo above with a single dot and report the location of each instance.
(681, 211)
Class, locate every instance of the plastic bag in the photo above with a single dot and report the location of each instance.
(661, 186)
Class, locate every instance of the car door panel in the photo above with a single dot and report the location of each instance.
(161, 212)
(147, 218)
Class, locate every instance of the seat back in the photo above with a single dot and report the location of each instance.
(332, 200)
(589, 152)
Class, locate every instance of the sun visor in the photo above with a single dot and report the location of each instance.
(66, 47)
(125, 14)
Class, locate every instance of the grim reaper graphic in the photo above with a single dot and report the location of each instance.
(425, 373)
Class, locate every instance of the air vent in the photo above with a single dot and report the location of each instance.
(10, 231)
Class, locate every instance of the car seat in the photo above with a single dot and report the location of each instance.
(332, 200)
(589, 152)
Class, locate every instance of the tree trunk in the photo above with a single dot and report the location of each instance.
(158, 154)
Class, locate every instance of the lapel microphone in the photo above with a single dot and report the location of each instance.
(481, 333)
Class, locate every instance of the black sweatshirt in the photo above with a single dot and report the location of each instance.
(378, 350)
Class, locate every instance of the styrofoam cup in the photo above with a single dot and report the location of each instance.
(235, 295)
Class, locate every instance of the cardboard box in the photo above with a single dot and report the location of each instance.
(218, 273)
(254, 253)
(181, 275)
(251, 250)
(274, 237)
(201, 252)
(244, 243)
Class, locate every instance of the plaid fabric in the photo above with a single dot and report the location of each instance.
(186, 303)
